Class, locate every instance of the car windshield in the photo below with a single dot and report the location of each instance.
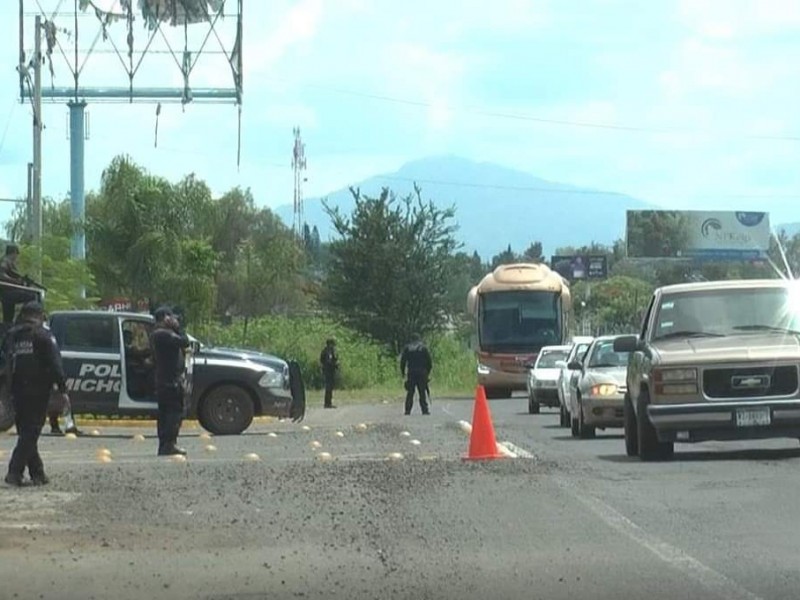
(728, 312)
(549, 358)
(579, 352)
(603, 355)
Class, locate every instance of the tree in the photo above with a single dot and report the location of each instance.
(616, 305)
(506, 257)
(533, 253)
(63, 276)
(389, 270)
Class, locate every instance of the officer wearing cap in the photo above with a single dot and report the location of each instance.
(329, 361)
(12, 296)
(168, 343)
(33, 367)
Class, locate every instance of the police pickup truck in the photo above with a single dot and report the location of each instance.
(109, 371)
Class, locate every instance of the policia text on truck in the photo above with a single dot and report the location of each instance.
(110, 372)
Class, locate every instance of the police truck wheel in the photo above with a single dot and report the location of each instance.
(533, 406)
(650, 448)
(226, 410)
(6, 410)
(631, 429)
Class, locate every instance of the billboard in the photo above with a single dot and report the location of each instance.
(713, 235)
(578, 267)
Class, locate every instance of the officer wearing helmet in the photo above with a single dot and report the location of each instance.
(33, 367)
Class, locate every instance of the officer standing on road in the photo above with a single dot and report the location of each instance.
(330, 364)
(33, 366)
(416, 359)
(12, 296)
(168, 343)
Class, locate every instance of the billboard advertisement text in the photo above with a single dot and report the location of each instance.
(714, 235)
(577, 267)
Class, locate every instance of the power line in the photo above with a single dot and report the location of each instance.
(8, 124)
(533, 118)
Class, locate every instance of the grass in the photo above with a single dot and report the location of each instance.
(366, 369)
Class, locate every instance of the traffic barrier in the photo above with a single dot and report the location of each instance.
(482, 442)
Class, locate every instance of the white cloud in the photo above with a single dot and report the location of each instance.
(739, 18)
(298, 24)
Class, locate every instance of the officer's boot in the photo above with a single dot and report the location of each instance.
(171, 429)
(14, 479)
(54, 428)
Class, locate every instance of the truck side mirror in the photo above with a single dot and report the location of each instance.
(575, 365)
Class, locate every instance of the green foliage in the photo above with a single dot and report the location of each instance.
(657, 233)
(62, 276)
(390, 270)
(617, 304)
(364, 363)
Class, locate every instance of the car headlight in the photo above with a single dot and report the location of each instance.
(675, 375)
(604, 389)
(483, 369)
(271, 379)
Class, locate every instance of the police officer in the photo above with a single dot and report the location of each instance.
(8, 274)
(169, 342)
(33, 366)
(417, 360)
(330, 364)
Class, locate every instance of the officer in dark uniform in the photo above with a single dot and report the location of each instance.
(330, 364)
(33, 366)
(12, 296)
(169, 342)
(417, 360)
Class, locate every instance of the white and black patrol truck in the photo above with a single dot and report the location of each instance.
(109, 369)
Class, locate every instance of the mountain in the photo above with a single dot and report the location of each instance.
(495, 205)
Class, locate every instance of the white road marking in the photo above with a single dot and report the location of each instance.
(520, 452)
(675, 557)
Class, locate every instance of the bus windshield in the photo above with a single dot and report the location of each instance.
(519, 320)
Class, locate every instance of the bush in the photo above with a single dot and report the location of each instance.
(364, 362)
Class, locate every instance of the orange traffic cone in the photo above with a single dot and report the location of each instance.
(482, 443)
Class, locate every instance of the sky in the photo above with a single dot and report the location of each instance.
(682, 103)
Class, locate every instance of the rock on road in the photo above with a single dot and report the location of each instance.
(567, 519)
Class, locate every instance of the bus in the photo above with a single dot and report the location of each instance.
(516, 310)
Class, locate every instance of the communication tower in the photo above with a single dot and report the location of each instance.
(299, 166)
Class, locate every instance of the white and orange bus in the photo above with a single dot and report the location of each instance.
(516, 309)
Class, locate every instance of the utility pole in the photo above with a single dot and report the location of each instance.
(36, 198)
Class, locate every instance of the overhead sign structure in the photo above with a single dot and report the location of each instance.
(577, 267)
(711, 235)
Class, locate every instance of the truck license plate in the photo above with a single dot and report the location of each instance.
(753, 417)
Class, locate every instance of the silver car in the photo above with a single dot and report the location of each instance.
(543, 377)
(598, 401)
(567, 378)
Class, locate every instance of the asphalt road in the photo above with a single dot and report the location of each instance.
(565, 519)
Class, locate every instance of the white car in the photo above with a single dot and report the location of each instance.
(543, 377)
(566, 378)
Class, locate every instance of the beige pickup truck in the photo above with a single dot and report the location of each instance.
(713, 361)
